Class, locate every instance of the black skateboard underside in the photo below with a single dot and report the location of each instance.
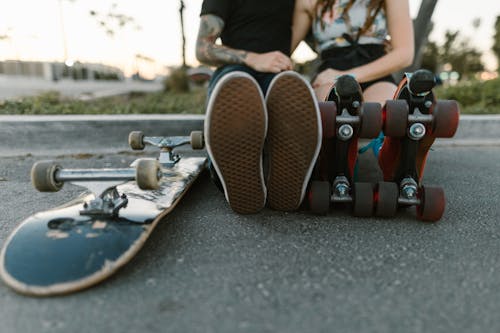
(59, 250)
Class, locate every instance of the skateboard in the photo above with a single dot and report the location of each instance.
(81, 243)
(345, 118)
(413, 120)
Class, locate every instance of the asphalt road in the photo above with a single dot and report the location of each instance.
(207, 269)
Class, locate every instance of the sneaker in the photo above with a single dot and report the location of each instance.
(294, 139)
(235, 131)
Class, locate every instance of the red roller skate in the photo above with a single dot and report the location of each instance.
(412, 121)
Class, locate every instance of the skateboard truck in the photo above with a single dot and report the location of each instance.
(168, 158)
(48, 176)
(107, 204)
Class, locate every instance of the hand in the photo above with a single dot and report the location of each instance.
(270, 62)
(327, 77)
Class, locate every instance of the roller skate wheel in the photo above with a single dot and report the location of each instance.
(445, 118)
(362, 200)
(371, 120)
(387, 199)
(319, 197)
(396, 118)
(432, 204)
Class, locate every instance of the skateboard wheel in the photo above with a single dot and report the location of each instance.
(148, 174)
(197, 141)
(135, 140)
(362, 200)
(445, 119)
(387, 199)
(43, 176)
(396, 118)
(432, 204)
(371, 120)
(319, 197)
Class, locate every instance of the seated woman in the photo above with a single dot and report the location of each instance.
(370, 39)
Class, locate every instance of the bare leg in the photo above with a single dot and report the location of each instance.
(380, 92)
(323, 91)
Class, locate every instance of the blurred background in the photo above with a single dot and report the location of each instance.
(95, 49)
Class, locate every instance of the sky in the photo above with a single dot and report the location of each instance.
(34, 27)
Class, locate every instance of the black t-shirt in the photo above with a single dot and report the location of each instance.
(254, 25)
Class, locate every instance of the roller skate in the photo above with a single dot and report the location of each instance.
(345, 119)
(413, 120)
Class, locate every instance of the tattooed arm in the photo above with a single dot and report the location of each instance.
(212, 54)
(208, 52)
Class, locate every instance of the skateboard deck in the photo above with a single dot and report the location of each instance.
(61, 251)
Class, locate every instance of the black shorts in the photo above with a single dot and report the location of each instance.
(344, 58)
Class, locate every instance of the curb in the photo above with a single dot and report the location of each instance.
(72, 134)
(61, 134)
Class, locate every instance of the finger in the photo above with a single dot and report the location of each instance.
(282, 65)
(275, 69)
(288, 62)
(281, 57)
(286, 65)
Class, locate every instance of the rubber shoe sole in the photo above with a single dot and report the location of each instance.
(235, 131)
(294, 139)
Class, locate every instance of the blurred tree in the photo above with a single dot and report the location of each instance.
(463, 57)
(113, 20)
(450, 38)
(177, 81)
(476, 23)
(63, 30)
(456, 51)
(430, 57)
(466, 60)
(496, 40)
(181, 12)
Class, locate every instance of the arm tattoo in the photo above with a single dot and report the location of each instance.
(208, 52)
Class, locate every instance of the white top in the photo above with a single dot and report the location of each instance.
(335, 26)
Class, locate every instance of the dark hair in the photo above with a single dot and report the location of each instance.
(373, 9)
